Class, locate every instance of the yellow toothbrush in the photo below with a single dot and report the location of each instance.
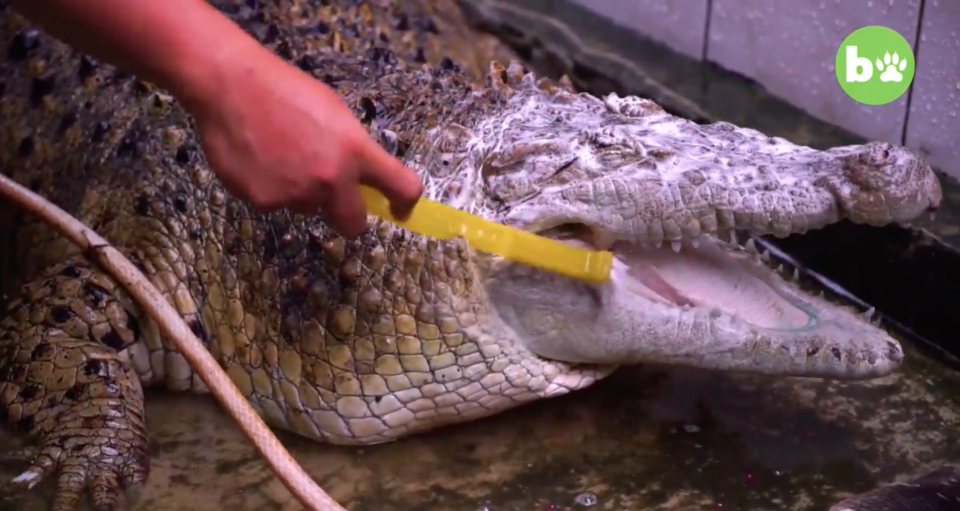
(437, 220)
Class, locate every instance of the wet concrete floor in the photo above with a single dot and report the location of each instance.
(647, 438)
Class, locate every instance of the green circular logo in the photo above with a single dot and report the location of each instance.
(875, 65)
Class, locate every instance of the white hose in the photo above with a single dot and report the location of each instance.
(174, 328)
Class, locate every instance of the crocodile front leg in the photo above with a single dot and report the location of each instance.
(66, 383)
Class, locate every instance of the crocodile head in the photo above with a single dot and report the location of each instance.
(662, 193)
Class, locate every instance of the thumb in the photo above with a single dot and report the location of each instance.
(399, 184)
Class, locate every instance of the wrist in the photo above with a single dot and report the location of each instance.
(203, 65)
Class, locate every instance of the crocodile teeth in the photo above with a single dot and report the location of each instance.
(695, 242)
(765, 256)
(676, 245)
(603, 240)
(780, 269)
(751, 246)
(658, 244)
(869, 313)
(796, 274)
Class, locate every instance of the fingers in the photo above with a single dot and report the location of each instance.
(400, 185)
(338, 204)
(345, 210)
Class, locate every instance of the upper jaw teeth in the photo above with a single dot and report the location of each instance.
(603, 240)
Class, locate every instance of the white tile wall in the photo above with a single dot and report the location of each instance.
(934, 123)
(788, 46)
(678, 24)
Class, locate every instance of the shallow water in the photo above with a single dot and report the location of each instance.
(647, 438)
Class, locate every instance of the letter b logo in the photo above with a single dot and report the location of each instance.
(874, 65)
(859, 69)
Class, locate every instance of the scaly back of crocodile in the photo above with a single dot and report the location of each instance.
(350, 342)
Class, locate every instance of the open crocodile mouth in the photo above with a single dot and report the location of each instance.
(734, 279)
(719, 304)
(717, 275)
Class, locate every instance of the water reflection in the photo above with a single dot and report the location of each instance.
(646, 438)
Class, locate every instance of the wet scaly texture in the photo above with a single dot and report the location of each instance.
(347, 342)
(675, 440)
(938, 490)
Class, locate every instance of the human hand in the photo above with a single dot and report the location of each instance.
(277, 137)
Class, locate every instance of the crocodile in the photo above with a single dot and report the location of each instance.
(358, 342)
(936, 490)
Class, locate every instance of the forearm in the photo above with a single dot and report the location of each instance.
(184, 46)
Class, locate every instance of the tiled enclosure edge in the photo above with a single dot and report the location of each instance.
(788, 46)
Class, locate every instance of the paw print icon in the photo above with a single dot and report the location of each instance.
(889, 57)
(891, 67)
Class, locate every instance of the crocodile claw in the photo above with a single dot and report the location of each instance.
(97, 464)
